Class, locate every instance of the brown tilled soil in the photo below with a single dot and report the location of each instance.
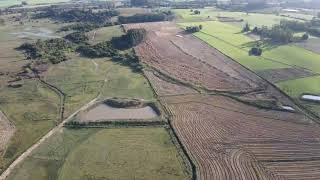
(163, 87)
(284, 74)
(225, 138)
(190, 60)
(229, 140)
(6, 131)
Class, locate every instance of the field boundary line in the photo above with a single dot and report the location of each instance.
(311, 115)
(172, 133)
(28, 152)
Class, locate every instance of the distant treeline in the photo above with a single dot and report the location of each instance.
(283, 32)
(76, 15)
(147, 17)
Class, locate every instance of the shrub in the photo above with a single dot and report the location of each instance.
(193, 29)
(196, 12)
(305, 36)
(257, 51)
(77, 37)
(246, 28)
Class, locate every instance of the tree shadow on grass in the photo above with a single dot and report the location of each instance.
(266, 45)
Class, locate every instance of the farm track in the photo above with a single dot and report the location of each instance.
(221, 136)
(28, 152)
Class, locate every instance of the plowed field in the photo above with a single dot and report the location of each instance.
(225, 138)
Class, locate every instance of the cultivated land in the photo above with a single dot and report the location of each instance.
(225, 136)
(284, 59)
(213, 115)
(123, 153)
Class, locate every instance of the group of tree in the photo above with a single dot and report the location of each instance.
(103, 49)
(52, 50)
(77, 37)
(276, 33)
(193, 29)
(256, 51)
(80, 27)
(246, 28)
(132, 38)
(195, 11)
(147, 17)
(77, 15)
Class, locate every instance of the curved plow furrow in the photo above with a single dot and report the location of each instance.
(226, 142)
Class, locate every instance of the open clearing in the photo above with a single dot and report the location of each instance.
(254, 19)
(125, 153)
(105, 112)
(227, 138)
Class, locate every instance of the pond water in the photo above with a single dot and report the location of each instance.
(35, 32)
(288, 108)
(105, 112)
(310, 97)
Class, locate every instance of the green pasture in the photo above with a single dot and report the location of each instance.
(296, 87)
(33, 109)
(6, 3)
(254, 19)
(83, 79)
(104, 34)
(128, 153)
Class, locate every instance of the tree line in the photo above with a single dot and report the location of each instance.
(77, 15)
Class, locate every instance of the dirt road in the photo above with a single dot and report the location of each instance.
(24, 155)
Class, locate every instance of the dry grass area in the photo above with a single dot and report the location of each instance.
(224, 137)
(6, 132)
(103, 112)
(284, 74)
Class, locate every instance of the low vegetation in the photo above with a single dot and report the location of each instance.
(52, 50)
(147, 17)
(123, 153)
(77, 15)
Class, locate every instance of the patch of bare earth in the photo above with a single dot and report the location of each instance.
(6, 132)
(104, 112)
(284, 74)
(225, 138)
(163, 87)
(312, 44)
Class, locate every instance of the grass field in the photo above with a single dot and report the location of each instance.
(33, 109)
(296, 87)
(229, 40)
(254, 19)
(104, 34)
(128, 153)
(5, 3)
(83, 79)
